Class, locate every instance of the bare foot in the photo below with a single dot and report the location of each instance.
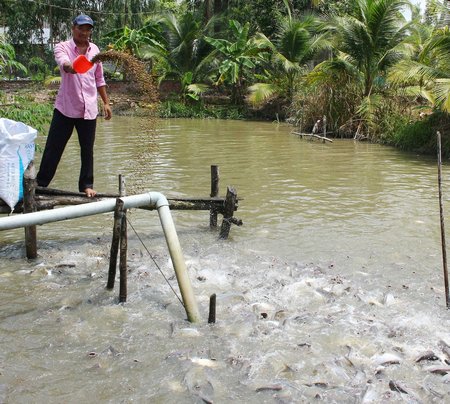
(90, 192)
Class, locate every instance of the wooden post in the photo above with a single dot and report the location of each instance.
(118, 213)
(123, 246)
(230, 205)
(29, 205)
(116, 238)
(123, 258)
(212, 309)
(121, 185)
(441, 213)
(214, 193)
(324, 121)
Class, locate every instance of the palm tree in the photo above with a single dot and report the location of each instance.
(369, 38)
(183, 36)
(296, 43)
(367, 42)
(427, 72)
(177, 49)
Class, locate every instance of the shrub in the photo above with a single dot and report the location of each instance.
(420, 136)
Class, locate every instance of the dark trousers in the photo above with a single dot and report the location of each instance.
(61, 129)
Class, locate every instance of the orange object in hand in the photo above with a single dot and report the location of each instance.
(82, 64)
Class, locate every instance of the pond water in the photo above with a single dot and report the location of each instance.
(332, 290)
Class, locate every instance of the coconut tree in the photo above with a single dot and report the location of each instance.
(367, 43)
(369, 38)
(183, 38)
(427, 72)
(177, 50)
(297, 41)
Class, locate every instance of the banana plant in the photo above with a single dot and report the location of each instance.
(238, 57)
(8, 62)
(190, 90)
(133, 41)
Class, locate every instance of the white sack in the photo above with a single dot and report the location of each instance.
(16, 152)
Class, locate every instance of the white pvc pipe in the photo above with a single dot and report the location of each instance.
(152, 199)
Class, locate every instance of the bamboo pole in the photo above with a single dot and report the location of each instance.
(214, 194)
(441, 213)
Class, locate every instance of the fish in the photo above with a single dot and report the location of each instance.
(440, 370)
(427, 356)
(445, 348)
(396, 386)
(209, 363)
(386, 359)
(272, 387)
(198, 384)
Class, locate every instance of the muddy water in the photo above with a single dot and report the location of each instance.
(332, 289)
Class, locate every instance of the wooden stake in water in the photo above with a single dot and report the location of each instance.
(29, 205)
(212, 309)
(441, 212)
(214, 194)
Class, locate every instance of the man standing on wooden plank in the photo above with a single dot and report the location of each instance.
(75, 106)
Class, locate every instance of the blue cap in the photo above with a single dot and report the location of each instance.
(83, 19)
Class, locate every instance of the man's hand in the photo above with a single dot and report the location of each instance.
(67, 67)
(107, 112)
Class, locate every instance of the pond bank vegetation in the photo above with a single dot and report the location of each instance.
(363, 67)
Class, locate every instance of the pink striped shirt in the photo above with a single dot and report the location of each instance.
(77, 96)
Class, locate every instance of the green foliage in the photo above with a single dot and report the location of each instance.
(369, 37)
(420, 136)
(297, 41)
(176, 109)
(265, 46)
(262, 15)
(25, 109)
(119, 13)
(190, 90)
(133, 41)
(38, 69)
(238, 55)
(9, 66)
(427, 73)
(436, 13)
(366, 43)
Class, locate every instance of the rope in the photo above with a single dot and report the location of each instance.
(154, 261)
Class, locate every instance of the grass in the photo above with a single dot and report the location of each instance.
(176, 109)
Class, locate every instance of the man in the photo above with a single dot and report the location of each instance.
(75, 107)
